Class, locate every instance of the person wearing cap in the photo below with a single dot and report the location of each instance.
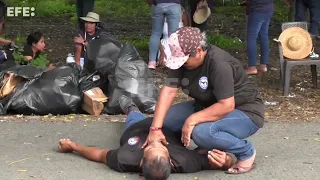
(226, 107)
(83, 7)
(83, 37)
(260, 13)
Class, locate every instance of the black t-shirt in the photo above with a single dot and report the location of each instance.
(220, 77)
(128, 156)
(27, 51)
(87, 37)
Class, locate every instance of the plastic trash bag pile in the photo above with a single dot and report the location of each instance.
(114, 67)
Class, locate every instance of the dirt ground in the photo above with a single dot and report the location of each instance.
(302, 105)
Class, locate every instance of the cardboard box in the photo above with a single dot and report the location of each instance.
(93, 100)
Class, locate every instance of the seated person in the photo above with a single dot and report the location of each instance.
(3, 42)
(91, 23)
(34, 46)
(156, 161)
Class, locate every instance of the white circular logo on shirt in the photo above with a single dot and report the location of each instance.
(133, 141)
(203, 82)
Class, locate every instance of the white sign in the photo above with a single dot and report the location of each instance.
(20, 11)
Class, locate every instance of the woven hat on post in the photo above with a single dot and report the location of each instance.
(296, 43)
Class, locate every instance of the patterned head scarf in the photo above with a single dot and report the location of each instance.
(180, 45)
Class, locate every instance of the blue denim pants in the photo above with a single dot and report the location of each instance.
(314, 8)
(227, 134)
(172, 11)
(258, 26)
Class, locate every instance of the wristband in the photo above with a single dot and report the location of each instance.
(155, 129)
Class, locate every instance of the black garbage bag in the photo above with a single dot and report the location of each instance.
(54, 92)
(133, 78)
(89, 81)
(101, 56)
(29, 73)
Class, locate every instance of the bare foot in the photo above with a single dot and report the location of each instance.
(262, 68)
(252, 70)
(66, 145)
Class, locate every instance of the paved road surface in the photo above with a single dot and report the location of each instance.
(284, 152)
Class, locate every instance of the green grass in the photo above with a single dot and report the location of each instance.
(132, 8)
(141, 43)
(224, 42)
(66, 8)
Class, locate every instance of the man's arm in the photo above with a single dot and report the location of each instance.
(212, 160)
(4, 41)
(77, 53)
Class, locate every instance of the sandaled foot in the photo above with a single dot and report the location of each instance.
(262, 68)
(251, 71)
(236, 169)
(66, 145)
(243, 166)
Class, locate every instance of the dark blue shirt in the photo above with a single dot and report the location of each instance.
(260, 6)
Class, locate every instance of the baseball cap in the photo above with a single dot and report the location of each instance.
(180, 45)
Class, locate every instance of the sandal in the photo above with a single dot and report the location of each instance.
(262, 69)
(236, 169)
(251, 72)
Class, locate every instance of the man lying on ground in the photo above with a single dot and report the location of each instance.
(156, 161)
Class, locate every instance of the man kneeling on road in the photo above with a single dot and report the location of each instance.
(156, 161)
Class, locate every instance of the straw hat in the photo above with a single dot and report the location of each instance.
(202, 14)
(91, 17)
(296, 43)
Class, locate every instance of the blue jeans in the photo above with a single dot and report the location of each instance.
(314, 8)
(134, 117)
(258, 26)
(172, 12)
(227, 134)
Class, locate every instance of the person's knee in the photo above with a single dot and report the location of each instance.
(200, 136)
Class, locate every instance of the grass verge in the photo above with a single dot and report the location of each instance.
(222, 41)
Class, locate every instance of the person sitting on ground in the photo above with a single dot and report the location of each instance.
(92, 30)
(156, 161)
(34, 46)
(226, 109)
(3, 9)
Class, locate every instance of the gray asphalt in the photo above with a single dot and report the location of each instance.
(29, 151)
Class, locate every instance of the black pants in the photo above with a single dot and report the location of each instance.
(193, 7)
(83, 7)
(314, 8)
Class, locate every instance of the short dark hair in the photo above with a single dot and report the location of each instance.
(34, 37)
(158, 168)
